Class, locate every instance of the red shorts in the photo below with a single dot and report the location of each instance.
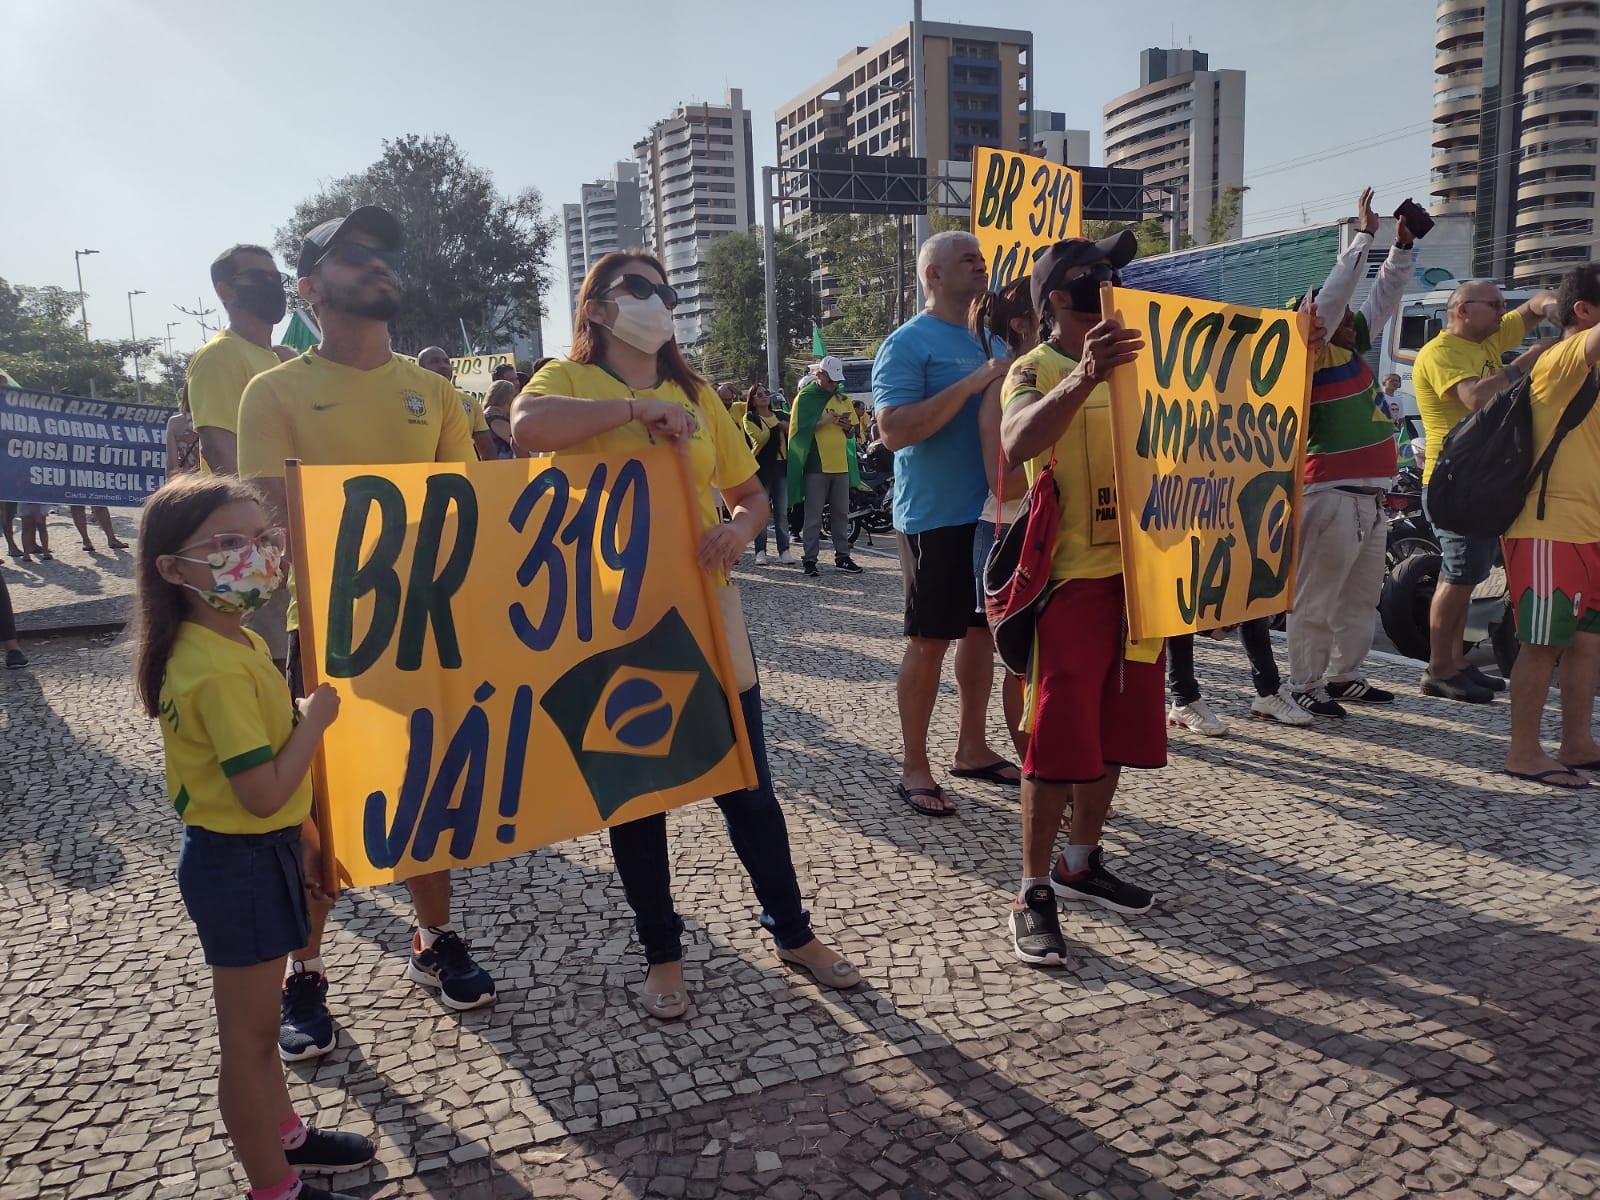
(1091, 707)
(1555, 589)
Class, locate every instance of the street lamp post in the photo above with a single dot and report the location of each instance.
(138, 372)
(83, 308)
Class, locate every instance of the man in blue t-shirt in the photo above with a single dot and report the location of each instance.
(927, 383)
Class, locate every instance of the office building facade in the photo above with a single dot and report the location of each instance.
(607, 217)
(979, 84)
(1516, 117)
(696, 184)
(1183, 126)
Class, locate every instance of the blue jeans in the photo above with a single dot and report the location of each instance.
(777, 489)
(760, 838)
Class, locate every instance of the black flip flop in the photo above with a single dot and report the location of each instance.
(991, 773)
(1544, 777)
(1588, 766)
(909, 795)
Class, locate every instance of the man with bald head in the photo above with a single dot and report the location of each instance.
(927, 384)
(437, 360)
(1458, 372)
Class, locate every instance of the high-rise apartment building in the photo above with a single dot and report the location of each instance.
(607, 217)
(1182, 126)
(1516, 117)
(979, 85)
(1054, 141)
(695, 184)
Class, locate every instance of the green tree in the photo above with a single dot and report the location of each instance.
(471, 254)
(858, 254)
(1152, 234)
(42, 346)
(1219, 222)
(734, 275)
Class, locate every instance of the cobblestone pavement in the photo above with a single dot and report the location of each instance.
(1371, 972)
(78, 588)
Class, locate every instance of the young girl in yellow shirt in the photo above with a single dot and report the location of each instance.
(237, 758)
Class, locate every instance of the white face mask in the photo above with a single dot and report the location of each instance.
(643, 324)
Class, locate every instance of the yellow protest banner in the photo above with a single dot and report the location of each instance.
(1021, 204)
(1209, 431)
(474, 373)
(525, 651)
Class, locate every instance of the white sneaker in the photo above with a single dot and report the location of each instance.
(786, 558)
(761, 558)
(1278, 707)
(1198, 717)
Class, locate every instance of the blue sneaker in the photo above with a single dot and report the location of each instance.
(448, 966)
(305, 1030)
(330, 1151)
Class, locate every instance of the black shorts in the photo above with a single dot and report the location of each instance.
(936, 571)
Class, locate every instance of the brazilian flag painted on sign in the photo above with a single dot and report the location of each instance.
(642, 717)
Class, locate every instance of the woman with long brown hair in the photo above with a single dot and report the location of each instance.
(1007, 326)
(627, 386)
(768, 435)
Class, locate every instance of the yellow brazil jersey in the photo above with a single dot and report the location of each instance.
(217, 376)
(832, 452)
(1572, 498)
(1446, 361)
(224, 709)
(1087, 543)
(473, 407)
(718, 454)
(326, 414)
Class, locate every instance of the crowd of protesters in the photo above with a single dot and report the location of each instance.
(978, 397)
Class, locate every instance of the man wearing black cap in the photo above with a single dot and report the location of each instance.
(1098, 703)
(351, 401)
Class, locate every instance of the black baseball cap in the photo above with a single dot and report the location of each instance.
(1118, 250)
(369, 219)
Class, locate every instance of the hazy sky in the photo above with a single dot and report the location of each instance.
(160, 131)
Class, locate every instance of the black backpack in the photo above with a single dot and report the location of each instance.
(1485, 469)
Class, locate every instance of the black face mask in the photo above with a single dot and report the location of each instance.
(263, 300)
(1084, 291)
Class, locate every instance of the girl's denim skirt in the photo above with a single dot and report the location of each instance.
(245, 893)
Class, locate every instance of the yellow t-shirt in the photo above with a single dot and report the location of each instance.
(1446, 361)
(832, 450)
(224, 709)
(473, 407)
(1087, 542)
(326, 414)
(718, 454)
(217, 376)
(1572, 500)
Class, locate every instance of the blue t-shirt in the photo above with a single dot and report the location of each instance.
(939, 481)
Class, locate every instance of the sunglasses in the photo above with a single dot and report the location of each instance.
(257, 275)
(641, 288)
(232, 543)
(354, 254)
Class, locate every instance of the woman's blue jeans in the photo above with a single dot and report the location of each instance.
(776, 487)
(760, 837)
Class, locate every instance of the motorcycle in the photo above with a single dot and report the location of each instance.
(871, 503)
(1413, 563)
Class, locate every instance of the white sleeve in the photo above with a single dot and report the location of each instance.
(1333, 298)
(1389, 289)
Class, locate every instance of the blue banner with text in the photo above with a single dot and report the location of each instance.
(72, 450)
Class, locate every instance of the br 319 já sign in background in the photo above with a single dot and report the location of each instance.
(526, 651)
(1209, 431)
(1021, 204)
